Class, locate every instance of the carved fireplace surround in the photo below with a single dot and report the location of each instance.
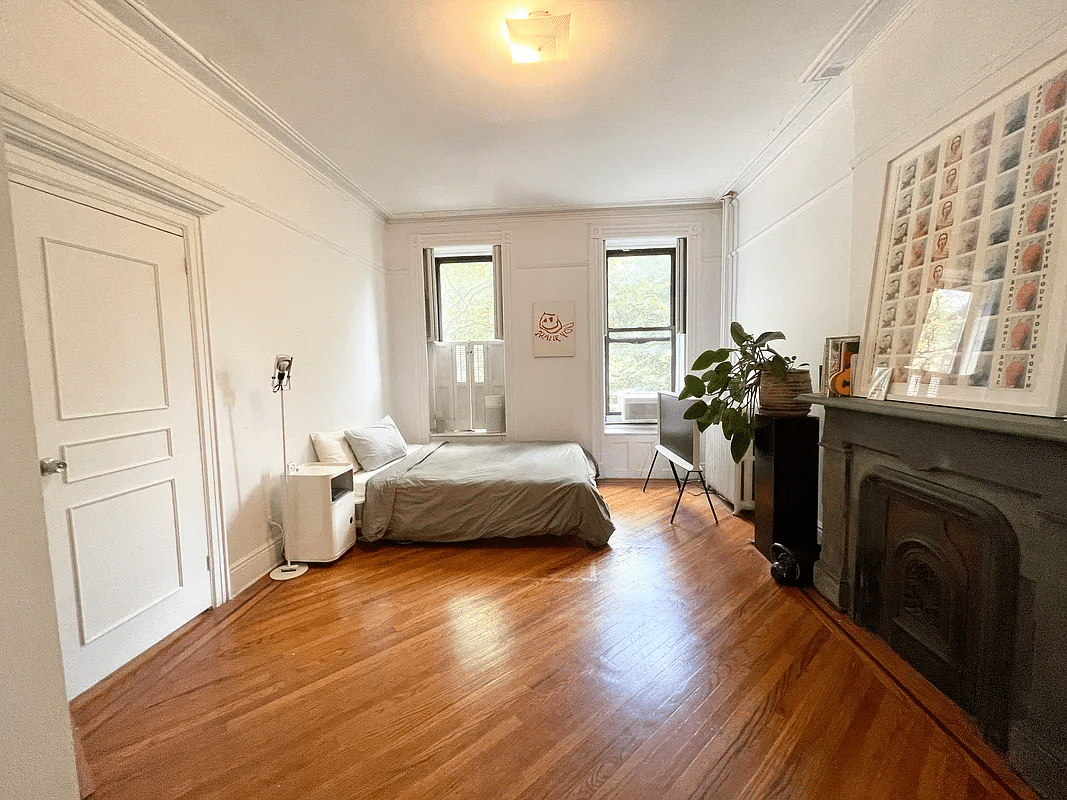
(944, 531)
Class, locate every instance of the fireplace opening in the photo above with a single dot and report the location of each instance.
(937, 578)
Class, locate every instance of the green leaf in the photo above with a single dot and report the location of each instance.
(738, 391)
(709, 357)
(778, 367)
(694, 387)
(737, 333)
(695, 411)
(769, 336)
(717, 382)
(704, 360)
(717, 411)
(739, 444)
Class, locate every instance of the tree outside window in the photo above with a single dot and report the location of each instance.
(466, 298)
(640, 343)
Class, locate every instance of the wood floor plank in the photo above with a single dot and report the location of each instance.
(665, 665)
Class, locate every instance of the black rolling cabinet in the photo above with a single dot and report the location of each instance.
(786, 490)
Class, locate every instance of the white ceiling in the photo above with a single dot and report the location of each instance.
(421, 107)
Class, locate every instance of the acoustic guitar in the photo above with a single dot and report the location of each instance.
(841, 381)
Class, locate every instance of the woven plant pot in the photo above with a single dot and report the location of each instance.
(779, 399)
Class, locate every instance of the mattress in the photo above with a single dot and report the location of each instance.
(446, 492)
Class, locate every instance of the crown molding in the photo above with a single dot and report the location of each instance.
(791, 133)
(23, 128)
(558, 212)
(40, 129)
(820, 97)
(132, 23)
(848, 44)
(828, 79)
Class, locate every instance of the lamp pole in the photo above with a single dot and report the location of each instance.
(283, 365)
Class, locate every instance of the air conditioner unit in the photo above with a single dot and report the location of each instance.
(638, 407)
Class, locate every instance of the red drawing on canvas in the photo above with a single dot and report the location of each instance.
(551, 329)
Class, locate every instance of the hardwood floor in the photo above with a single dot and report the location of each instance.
(666, 665)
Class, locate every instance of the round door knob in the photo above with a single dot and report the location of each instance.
(50, 466)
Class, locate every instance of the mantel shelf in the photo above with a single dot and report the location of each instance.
(1047, 428)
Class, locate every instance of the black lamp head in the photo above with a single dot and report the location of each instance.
(283, 364)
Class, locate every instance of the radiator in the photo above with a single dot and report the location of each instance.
(733, 482)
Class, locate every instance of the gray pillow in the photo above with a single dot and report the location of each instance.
(376, 445)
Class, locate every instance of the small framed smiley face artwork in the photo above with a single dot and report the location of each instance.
(553, 329)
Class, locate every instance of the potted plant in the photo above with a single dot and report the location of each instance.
(735, 382)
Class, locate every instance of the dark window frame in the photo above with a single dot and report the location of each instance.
(439, 260)
(670, 332)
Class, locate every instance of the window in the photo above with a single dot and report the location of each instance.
(466, 298)
(644, 311)
(464, 338)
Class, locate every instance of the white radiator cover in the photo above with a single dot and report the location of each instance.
(732, 481)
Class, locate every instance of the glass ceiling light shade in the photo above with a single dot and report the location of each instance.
(540, 37)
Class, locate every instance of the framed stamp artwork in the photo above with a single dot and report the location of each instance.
(967, 304)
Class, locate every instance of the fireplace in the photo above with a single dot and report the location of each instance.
(944, 531)
(937, 572)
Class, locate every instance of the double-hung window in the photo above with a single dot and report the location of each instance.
(645, 322)
(464, 334)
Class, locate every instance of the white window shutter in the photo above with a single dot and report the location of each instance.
(433, 317)
(442, 391)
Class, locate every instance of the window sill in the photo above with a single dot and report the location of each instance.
(480, 434)
(630, 429)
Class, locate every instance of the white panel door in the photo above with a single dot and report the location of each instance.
(108, 331)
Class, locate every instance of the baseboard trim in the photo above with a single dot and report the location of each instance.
(254, 566)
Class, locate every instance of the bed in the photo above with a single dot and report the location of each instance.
(450, 492)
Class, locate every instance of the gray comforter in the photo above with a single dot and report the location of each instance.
(446, 492)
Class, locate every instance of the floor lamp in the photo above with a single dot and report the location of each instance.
(280, 383)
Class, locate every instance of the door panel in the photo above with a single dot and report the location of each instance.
(135, 535)
(115, 453)
(106, 325)
(108, 330)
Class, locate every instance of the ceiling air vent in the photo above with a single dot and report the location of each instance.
(866, 25)
(831, 71)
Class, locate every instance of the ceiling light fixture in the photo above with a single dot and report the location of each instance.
(540, 37)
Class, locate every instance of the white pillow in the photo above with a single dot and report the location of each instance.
(332, 448)
(376, 445)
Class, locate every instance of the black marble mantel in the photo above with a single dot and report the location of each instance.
(1023, 453)
(1018, 464)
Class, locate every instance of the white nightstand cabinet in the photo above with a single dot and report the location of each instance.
(320, 521)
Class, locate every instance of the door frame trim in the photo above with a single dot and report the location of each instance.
(68, 159)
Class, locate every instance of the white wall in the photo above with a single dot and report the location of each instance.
(36, 748)
(790, 260)
(292, 263)
(548, 258)
(793, 240)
